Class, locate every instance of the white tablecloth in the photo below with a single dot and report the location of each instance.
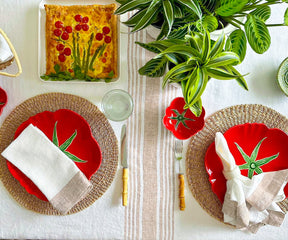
(106, 218)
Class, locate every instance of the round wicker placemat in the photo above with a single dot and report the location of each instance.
(102, 132)
(221, 121)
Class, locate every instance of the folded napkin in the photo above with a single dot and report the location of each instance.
(56, 175)
(5, 51)
(250, 203)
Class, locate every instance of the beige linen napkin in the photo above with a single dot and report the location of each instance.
(56, 175)
(250, 203)
(5, 51)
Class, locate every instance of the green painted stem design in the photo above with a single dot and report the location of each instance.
(66, 144)
(180, 118)
(251, 163)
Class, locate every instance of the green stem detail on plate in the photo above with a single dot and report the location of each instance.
(180, 118)
(2, 103)
(66, 144)
(251, 163)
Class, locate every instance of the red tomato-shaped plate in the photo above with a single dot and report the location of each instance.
(83, 146)
(271, 143)
(3, 99)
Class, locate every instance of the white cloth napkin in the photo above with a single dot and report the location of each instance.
(56, 175)
(5, 51)
(250, 203)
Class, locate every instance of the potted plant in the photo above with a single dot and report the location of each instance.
(192, 62)
(166, 15)
(180, 17)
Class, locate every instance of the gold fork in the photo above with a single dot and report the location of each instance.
(178, 148)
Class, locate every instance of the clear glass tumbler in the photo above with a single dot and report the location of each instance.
(117, 105)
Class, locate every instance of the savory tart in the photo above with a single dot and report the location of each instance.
(81, 42)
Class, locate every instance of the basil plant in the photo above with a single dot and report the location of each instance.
(191, 63)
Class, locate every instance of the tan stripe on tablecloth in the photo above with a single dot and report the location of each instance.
(150, 210)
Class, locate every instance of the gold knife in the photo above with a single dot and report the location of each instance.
(124, 163)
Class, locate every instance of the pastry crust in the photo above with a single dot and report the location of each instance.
(91, 56)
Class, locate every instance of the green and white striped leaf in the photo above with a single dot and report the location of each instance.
(286, 17)
(193, 5)
(177, 70)
(257, 34)
(263, 13)
(197, 87)
(131, 5)
(154, 68)
(168, 13)
(217, 46)
(237, 43)
(240, 80)
(227, 8)
(220, 74)
(132, 21)
(206, 46)
(178, 13)
(182, 50)
(196, 108)
(208, 23)
(164, 30)
(148, 18)
(223, 59)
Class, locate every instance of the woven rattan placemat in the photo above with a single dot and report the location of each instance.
(221, 121)
(102, 132)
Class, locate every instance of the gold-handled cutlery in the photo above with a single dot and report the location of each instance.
(178, 157)
(124, 163)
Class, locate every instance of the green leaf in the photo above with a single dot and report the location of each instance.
(223, 59)
(227, 8)
(55, 138)
(264, 161)
(57, 68)
(177, 70)
(149, 47)
(168, 13)
(208, 23)
(73, 157)
(263, 13)
(178, 13)
(131, 5)
(220, 74)
(182, 50)
(111, 74)
(68, 142)
(154, 68)
(195, 89)
(240, 80)
(237, 43)
(193, 5)
(148, 18)
(286, 17)
(196, 108)
(164, 31)
(206, 46)
(257, 34)
(217, 46)
(45, 77)
(132, 21)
